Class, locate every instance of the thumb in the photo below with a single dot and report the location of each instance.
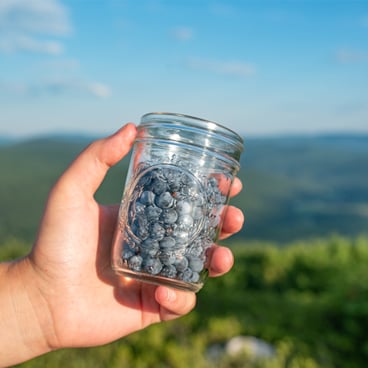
(86, 173)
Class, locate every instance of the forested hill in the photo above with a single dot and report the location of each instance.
(297, 187)
(294, 187)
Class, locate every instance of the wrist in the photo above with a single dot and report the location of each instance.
(26, 324)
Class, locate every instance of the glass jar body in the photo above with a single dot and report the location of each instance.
(175, 197)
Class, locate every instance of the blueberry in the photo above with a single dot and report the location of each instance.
(167, 243)
(185, 222)
(139, 208)
(157, 231)
(164, 200)
(185, 275)
(186, 180)
(183, 207)
(181, 264)
(127, 252)
(169, 271)
(159, 186)
(167, 258)
(195, 277)
(174, 184)
(140, 228)
(152, 213)
(169, 216)
(135, 263)
(195, 250)
(196, 264)
(145, 180)
(147, 197)
(169, 229)
(150, 243)
(181, 236)
(148, 252)
(142, 221)
(197, 213)
(152, 265)
(173, 179)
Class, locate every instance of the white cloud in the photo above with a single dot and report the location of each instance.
(95, 89)
(15, 88)
(348, 56)
(14, 43)
(37, 26)
(61, 65)
(25, 25)
(35, 16)
(183, 33)
(98, 89)
(234, 68)
(57, 87)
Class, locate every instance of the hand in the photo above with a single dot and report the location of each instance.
(77, 298)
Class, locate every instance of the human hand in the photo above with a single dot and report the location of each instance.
(78, 299)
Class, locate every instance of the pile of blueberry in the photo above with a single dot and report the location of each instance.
(172, 219)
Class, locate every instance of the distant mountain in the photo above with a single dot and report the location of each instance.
(294, 187)
(6, 140)
(305, 186)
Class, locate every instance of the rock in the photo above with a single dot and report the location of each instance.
(252, 346)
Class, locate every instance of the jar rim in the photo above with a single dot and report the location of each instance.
(194, 121)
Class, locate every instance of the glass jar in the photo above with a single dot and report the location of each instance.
(175, 197)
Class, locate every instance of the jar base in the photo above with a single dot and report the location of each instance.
(159, 280)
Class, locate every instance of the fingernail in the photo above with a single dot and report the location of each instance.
(124, 127)
(170, 295)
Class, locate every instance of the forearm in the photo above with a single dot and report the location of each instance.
(23, 314)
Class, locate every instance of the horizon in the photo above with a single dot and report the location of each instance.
(260, 68)
(85, 135)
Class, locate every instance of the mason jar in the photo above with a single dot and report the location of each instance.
(175, 198)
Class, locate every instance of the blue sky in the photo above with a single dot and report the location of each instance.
(259, 67)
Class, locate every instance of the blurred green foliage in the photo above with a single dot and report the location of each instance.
(309, 299)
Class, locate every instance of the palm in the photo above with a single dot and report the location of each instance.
(89, 301)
